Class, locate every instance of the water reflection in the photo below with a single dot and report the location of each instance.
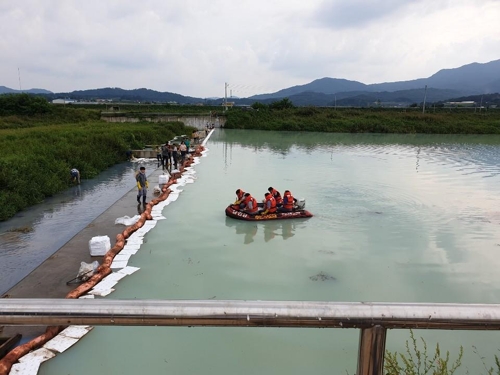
(271, 229)
(247, 228)
(474, 154)
(391, 223)
(77, 191)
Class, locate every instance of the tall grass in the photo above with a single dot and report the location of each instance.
(36, 158)
(349, 120)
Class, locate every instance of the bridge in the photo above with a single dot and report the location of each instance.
(371, 319)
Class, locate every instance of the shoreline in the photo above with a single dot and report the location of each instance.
(42, 282)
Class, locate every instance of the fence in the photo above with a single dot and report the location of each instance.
(372, 319)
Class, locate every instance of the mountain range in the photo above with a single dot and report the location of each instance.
(6, 90)
(446, 84)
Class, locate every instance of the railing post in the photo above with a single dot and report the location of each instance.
(371, 351)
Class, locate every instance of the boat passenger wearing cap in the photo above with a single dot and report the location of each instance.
(269, 204)
(240, 195)
(251, 206)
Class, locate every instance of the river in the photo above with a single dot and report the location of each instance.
(400, 218)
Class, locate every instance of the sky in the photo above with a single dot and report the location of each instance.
(195, 47)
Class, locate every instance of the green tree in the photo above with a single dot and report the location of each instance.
(284, 103)
(258, 105)
(23, 104)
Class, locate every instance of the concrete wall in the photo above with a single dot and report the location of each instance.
(198, 122)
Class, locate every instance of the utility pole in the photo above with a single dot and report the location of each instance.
(225, 96)
(425, 96)
(19, 74)
(335, 102)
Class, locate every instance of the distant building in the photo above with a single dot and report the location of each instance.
(460, 104)
(62, 101)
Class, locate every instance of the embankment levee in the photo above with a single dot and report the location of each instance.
(196, 121)
(50, 279)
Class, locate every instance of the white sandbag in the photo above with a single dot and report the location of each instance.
(125, 220)
(87, 270)
(99, 246)
(162, 179)
(156, 190)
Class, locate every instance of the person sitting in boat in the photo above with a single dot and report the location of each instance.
(251, 206)
(240, 195)
(269, 204)
(288, 202)
(276, 194)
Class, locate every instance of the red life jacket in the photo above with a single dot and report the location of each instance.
(254, 204)
(271, 199)
(289, 202)
(276, 194)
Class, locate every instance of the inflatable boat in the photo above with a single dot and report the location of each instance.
(298, 212)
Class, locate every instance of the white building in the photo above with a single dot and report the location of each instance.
(62, 101)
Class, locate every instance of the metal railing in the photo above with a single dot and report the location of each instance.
(373, 319)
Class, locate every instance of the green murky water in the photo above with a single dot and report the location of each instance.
(412, 218)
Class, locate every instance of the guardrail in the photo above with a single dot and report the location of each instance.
(373, 319)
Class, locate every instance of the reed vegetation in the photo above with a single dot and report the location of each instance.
(418, 359)
(40, 146)
(366, 120)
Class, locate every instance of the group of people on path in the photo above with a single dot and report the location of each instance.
(170, 155)
(273, 202)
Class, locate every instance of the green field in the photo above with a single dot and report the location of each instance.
(367, 120)
(40, 143)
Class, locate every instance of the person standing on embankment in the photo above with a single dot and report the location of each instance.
(142, 185)
(75, 176)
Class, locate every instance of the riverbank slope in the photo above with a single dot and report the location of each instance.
(49, 280)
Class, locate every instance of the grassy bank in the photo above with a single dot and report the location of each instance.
(39, 149)
(375, 120)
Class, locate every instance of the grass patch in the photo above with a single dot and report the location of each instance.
(39, 150)
(351, 120)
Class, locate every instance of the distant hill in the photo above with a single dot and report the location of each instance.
(469, 79)
(323, 85)
(6, 90)
(366, 98)
(136, 95)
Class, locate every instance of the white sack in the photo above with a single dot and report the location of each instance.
(125, 220)
(99, 246)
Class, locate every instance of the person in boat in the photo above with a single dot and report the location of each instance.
(240, 195)
(251, 206)
(269, 204)
(288, 202)
(277, 196)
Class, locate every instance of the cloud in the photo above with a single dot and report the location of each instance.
(340, 14)
(194, 47)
